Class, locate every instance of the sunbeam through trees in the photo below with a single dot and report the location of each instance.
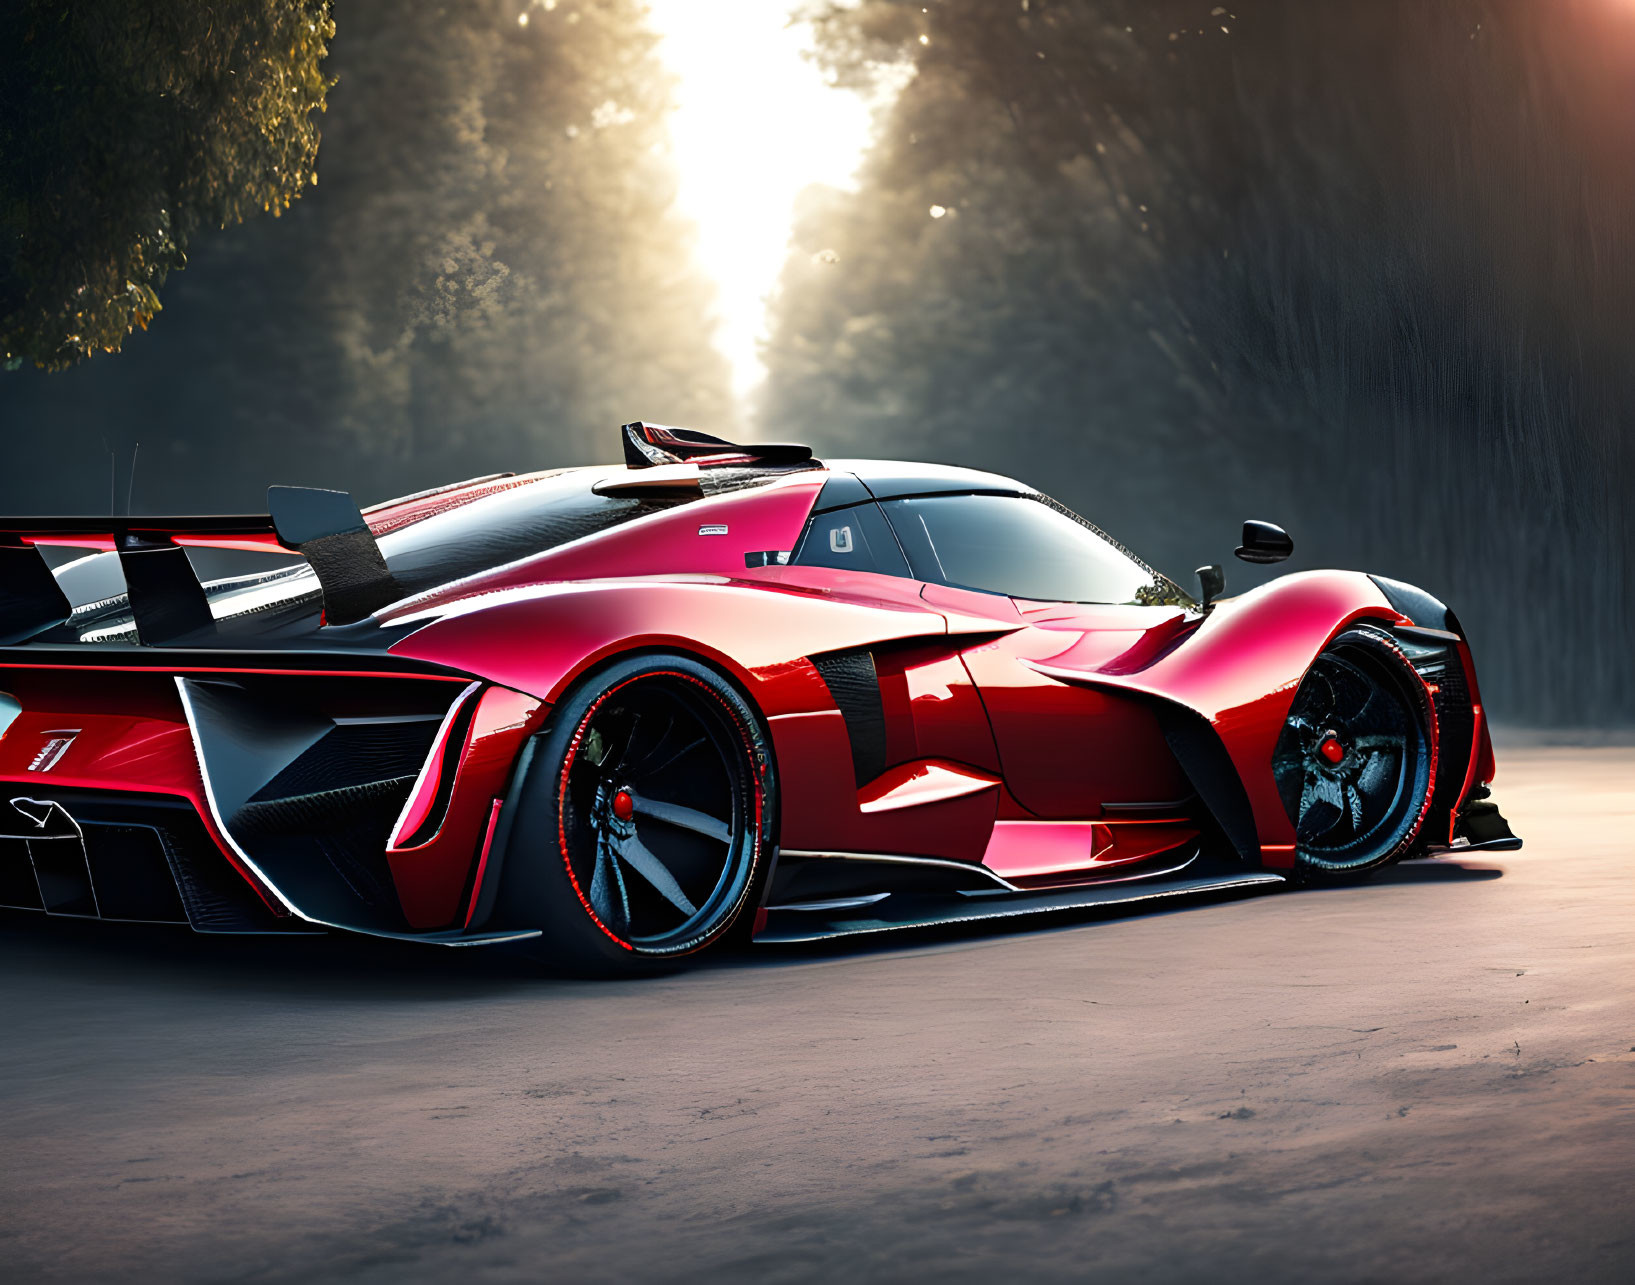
(1364, 268)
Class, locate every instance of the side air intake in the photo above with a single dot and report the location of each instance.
(854, 684)
(307, 782)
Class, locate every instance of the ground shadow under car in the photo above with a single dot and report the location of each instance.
(342, 966)
(1426, 870)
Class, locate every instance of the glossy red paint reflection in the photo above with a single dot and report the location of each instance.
(431, 876)
(914, 785)
(143, 748)
(673, 541)
(1029, 736)
(822, 806)
(422, 798)
(1034, 852)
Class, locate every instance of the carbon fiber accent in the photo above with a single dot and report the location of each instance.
(216, 898)
(329, 814)
(323, 809)
(353, 575)
(165, 597)
(851, 679)
(355, 754)
(56, 846)
(821, 876)
(841, 491)
(1198, 749)
(338, 876)
(131, 874)
(345, 829)
(721, 479)
(902, 911)
(329, 531)
(471, 540)
(18, 890)
(150, 859)
(31, 601)
(1419, 606)
(1443, 671)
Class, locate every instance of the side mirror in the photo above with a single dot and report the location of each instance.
(1264, 542)
(1212, 580)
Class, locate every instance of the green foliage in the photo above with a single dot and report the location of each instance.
(489, 276)
(498, 266)
(126, 126)
(1366, 268)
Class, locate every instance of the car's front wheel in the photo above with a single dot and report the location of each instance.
(645, 819)
(1357, 758)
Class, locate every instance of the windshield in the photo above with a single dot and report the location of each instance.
(1023, 546)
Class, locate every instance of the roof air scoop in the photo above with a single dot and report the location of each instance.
(328, 530)
(646, 445)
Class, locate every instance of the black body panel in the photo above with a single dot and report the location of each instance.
(855, 685)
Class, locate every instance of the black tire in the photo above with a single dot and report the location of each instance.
(1356, 762)
(645, 821)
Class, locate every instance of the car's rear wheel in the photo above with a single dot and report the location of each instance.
(1356, 760)
(646, 818)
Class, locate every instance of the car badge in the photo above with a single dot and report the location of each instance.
(52, 751)
(713, 528)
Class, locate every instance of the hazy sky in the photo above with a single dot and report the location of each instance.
(755, 123)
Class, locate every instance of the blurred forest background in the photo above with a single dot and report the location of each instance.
(1363, 267)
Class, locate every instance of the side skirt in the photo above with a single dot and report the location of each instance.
(908, 910)
(453, 937)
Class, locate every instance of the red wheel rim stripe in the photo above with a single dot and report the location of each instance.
(573, 753)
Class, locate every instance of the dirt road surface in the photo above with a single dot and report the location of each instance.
(1428, 1078)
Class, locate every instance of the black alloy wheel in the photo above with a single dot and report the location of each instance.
(647, 817)
(1355, 763)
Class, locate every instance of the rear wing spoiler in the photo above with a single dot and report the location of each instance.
(167, 600)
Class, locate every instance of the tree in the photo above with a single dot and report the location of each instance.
(499, 265)
(1365, 266)
(490, 275)
(125, 127)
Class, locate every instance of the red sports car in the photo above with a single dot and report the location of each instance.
(623, 713)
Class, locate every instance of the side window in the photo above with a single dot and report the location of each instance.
(1018, 546)
(854, 539)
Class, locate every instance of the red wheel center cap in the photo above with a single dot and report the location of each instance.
(1331, 749)
(624, 807)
